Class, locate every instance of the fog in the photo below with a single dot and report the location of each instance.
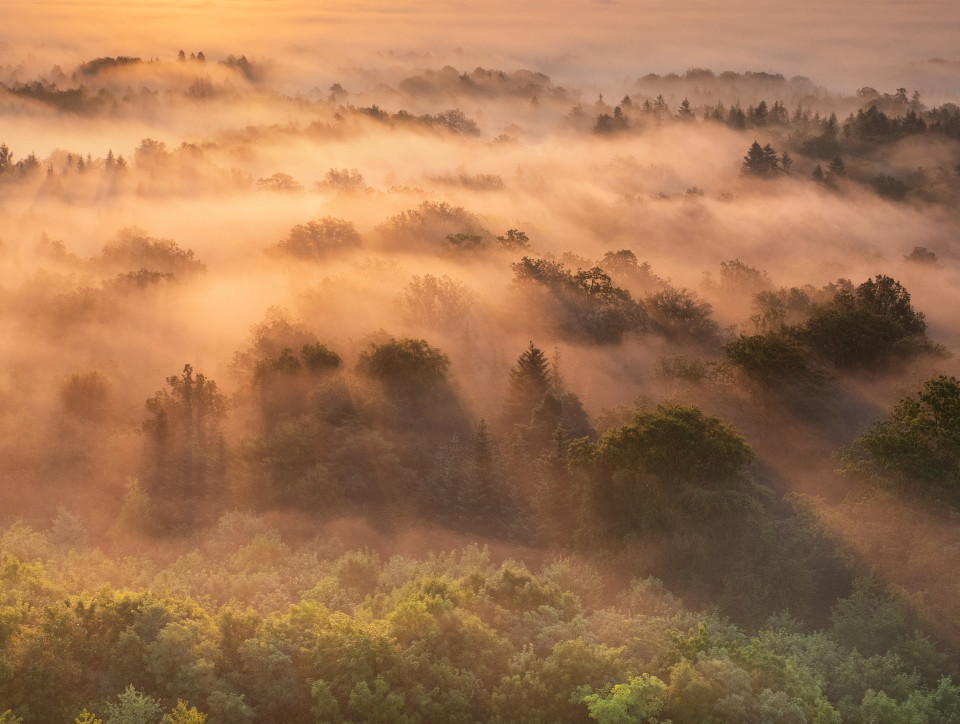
(238, 161)
(464, 183)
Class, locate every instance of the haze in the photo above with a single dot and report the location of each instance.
(560, 355)
(841, 44)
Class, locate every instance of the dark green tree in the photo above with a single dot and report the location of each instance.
(186, 454)
(920, 441)
(761, 161)
(769, 359)
(890, 187)
(283, 383)
(413, 375)
(836, 169)
(404, 363)
(786, 162)
(538, 402)
(529, 382)
(669, 465)
(867, 327)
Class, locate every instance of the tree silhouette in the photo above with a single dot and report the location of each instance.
(761, 161)
(186, 453)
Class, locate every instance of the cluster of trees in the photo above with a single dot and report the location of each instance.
(918, 446)
(584, 304)
(250, 625)
(321, 238)
(391, 438)
(804, 337)
(764, 161)
(245, 628)
(10, 170)
(814, 136)
(452, 120)
(431, 223)
(482, 82)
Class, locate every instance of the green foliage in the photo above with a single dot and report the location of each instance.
(537, 403)
(451, 637)
(180, 714)
(669, 464)
(325, 706)
(641, 699)
(774, 360)
(377, 704)
(674, 443)
(867, 327)
(186, 453)
(138, 513)
(133, 707)
(919, 442)
(867, 620)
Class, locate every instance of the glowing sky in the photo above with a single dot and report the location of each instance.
(843, 43)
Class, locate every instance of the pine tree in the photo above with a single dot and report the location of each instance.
(761, 161)
(483, 448)
(785, 162)
(758, 115)
(529, 382)
(837, 167)
(736, 118)
(531, 371)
